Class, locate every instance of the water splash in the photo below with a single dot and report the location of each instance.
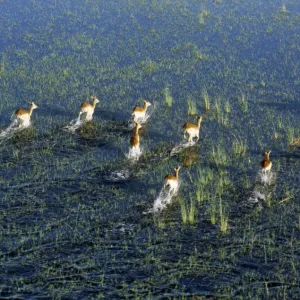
(118, 175)
(14, 127)
(124, 228)
(74, 125)
(134, 154)
(266, 178)
(141, 121)
(262, 189)
(164, 198)
(256, 197)
(183, 145)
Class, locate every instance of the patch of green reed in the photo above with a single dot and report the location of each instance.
(291, 137)
(168, 97)
(223, 217)
(243, 103)
(283, 9)
(239, 147)
(218, 109)
(206, 99)
(192, 108)
(149, 67)
(219, 157)
(188, 212)
(202, 16)
(213, 211)
(227, 107)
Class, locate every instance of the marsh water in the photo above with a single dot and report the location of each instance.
(82, 217)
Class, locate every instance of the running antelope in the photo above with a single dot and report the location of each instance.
(88, 109)
(23, 116)
(140, 112)
(172, 181)
(266, 164)
(192, 130)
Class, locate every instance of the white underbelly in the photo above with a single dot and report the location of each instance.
(139, 114)
(193, 131)
(173, 184)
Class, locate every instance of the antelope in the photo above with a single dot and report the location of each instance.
(88, 109)
(135, 139)
(266, 164)
(140, 112)
(172, 181)
(192, 129)
(23, 116)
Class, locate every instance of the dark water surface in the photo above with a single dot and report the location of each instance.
(78, 218)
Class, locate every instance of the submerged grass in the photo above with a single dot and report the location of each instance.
(192, 109)
(206, 99)
(244, 103)
(74, 210)
(168, 97)
(239, 147)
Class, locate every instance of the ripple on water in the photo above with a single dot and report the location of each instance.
(74, 125)
(14, 127)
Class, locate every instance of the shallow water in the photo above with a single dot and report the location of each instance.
(83, 217)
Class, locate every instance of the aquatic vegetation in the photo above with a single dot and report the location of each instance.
(149, 67)
(206, 99)
(188, 213)
(292, 141)
(243, 103)
(202, 16)
(223, 218)
(283, 9)
(295, 142)
(81, 218)
(227, 107)
(192, 109)
(219, 157)
(239, 147)
(168, 97)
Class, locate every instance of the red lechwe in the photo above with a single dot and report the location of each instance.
(140, 112)
(88, 109)
(192, 130)
(266, 164)
(23, 116)
(172, 181)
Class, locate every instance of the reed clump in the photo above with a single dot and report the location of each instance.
(283, 9)
(168, 97)
(239, 147)
(206, 99)
(244, 103)
(192, 109)
(295, 142)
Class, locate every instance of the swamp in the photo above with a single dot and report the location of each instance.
(84, 217)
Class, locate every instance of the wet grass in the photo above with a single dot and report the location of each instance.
(75, 219)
